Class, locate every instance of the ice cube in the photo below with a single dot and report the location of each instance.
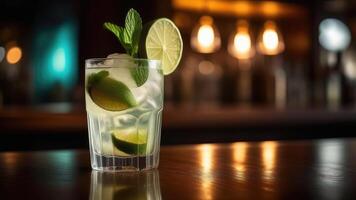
(119, 68)
(152, 88)
(122, 60)
(124, 120)
(155, 75)
(149, 104)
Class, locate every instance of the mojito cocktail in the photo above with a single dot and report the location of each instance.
(124, 94)
(124, 117)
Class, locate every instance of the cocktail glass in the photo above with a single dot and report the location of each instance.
(124, 102)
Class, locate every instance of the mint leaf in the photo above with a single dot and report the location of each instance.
(117, 30)
(119, 33)
(140, 74)
(132, 31)
(129, 36)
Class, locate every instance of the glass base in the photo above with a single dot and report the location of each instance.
(113, 186)
(124, 164)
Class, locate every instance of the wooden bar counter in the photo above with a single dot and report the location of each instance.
(305, 169)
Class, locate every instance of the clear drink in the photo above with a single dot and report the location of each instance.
(124, 102)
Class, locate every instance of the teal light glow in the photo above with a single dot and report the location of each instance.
(55, 59)
(59, 60)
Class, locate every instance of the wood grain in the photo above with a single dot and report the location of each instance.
(311, 169)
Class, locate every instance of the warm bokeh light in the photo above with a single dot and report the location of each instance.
(9, 162)
(270, 41)
(265, 9)
(205, 37)
(10, 159)
(14, 55)
(239, 150)
(270, 8)
(240, 42)
(206, 67)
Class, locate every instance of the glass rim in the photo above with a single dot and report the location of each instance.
(155, 63)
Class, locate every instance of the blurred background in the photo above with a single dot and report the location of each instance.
(251, 70)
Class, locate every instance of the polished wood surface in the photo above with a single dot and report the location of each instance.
(310, 169)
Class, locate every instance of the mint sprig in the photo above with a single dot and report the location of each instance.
(128, 36)
(140, 73)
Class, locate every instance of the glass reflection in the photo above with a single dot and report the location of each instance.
(269, 159)
(239, 157)
(329, 179)
(206, 157)
(207, 161)
(65, 159)
(330, 152)
(114, 186)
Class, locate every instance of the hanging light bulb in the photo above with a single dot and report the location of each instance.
(240, 44)
(270, 41)
(205, 36)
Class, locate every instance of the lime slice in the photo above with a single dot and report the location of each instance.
(109, 93)
(108, 149)
(161, 40)
(133, 142)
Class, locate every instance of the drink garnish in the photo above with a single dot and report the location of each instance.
(109, 93)
(158, 40)
(133, 143)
